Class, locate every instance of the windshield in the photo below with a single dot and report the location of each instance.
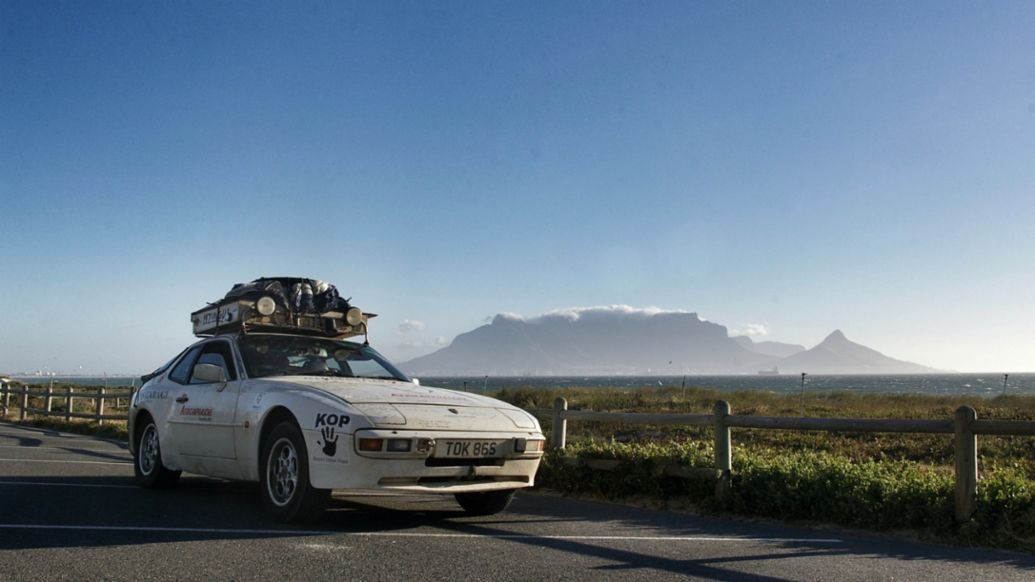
(278, 355)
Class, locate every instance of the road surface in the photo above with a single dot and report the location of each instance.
(69, 511)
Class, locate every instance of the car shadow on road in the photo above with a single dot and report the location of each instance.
(20, 440)
(861, 543)
(96, 454)
(372, 514)
(18, 431)
(706, 567)
(421, 511)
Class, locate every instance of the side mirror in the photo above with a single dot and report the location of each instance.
(416, 381)
(210, 373)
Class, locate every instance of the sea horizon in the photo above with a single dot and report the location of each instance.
(948, 383)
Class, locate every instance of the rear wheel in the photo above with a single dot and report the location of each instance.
(286, 491)
(147, 460)
(487, 503)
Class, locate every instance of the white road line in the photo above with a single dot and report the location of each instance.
(52, 484)
(378, 534)
(58, 462)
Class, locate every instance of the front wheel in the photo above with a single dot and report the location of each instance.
(147, 460)
(286, 491)
(487, 503)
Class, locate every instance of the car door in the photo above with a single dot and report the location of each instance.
(202, 419)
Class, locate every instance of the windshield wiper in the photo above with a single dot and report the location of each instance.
(320, 373)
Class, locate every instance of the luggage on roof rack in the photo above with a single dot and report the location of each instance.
(285, 305)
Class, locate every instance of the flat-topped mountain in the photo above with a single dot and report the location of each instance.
(595, 341)
(621, 340)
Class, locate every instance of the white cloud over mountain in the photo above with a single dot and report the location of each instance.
(751, 330)
(577, 313)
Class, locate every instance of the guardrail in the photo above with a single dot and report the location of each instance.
(48, 395)
(965, 427)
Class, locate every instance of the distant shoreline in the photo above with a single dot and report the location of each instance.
(986, 385)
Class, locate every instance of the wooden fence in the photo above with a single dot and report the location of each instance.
(965, 427)
(48, 395)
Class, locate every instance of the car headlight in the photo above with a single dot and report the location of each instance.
(520, 418)
(381, 414)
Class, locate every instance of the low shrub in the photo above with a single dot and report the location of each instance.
(808, 485)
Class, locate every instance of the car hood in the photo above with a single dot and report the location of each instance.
(394, 403)
(370, 391)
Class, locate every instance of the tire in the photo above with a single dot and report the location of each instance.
(148, 469)
(284, 477)
(487, 503)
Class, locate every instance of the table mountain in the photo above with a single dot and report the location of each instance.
(595, 341)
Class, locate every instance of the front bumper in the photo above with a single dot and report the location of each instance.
(427, 471)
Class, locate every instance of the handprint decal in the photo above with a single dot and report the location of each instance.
(330, 441)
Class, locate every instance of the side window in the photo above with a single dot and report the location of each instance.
(181, 373)
(218, 354)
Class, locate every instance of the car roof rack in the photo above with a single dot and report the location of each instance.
(292, 305)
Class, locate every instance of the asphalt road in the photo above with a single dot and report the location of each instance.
(69, 511)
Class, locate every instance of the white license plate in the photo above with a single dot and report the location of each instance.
(469, 449)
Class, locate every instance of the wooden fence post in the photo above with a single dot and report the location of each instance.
(100, 406)
(25, 402)
(966, 463)
(723, 450)
(68, 404)
(560, 423)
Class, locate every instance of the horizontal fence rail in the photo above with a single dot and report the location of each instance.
(100, 397)
(964, 427)
(842, 424)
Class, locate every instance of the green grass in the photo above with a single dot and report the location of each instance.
(881, 481)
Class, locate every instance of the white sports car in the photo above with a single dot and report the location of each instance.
(305, 414)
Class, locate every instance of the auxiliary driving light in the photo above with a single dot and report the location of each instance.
(266, 306)
(399, 445)
(354, 316)
(425, 445)
(371, 445)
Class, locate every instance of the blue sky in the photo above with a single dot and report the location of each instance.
(794, 166)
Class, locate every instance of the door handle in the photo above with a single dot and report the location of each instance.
(182, 399)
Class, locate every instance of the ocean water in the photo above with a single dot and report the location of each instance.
(987, 385)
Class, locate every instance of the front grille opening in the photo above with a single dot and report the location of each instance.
(471, 480)
(434, 462)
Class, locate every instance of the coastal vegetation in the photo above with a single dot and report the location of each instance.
(874, 480)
